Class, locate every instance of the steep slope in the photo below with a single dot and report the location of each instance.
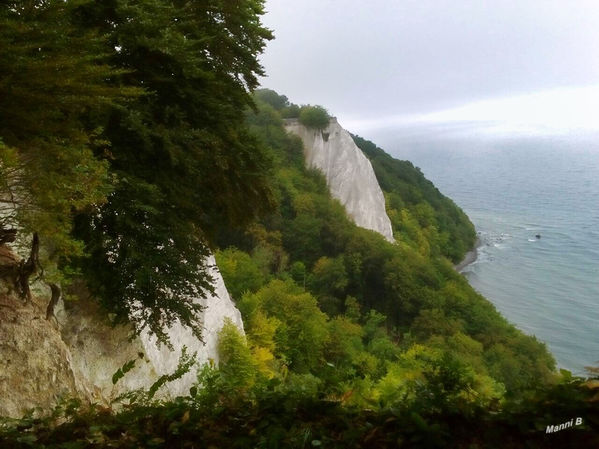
(35, 363)
(98, 350)
(348, 172)
(395, 313)
(413, 198)
(78, 355)
(317, 291)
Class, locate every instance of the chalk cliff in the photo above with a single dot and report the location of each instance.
(98, 351)
(77, 354)
(348, 172)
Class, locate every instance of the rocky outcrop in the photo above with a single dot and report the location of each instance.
(77, 354)
(99, 349)
(348, 172)
(35, 363)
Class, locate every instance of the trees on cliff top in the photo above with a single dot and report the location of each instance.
(314, 117)
(52, 73)
(123, 139)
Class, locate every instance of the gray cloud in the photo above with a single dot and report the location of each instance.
(369, 59)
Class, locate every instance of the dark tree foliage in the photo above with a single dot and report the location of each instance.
(270, 97)
(218, 415)
(279, 102)
(52, 73)
(183, 162)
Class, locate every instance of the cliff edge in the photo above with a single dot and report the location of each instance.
(348, 172)
(76, 354)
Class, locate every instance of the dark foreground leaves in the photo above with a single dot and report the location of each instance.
(276, 421)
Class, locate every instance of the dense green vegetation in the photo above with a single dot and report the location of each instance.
(314, 117)
(419, 213)
(357, 317)
(131, 144)
(53, 74)
(124, 144)
(221, 415)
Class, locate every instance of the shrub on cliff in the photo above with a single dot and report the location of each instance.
(314, 117)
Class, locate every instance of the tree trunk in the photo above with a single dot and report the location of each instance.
(53, 301)
(27, 269)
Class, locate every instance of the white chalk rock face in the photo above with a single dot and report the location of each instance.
(99, 350)
(348, 172)
(35, 368)
(218, 307)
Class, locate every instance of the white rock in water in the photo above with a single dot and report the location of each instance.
(348, 172)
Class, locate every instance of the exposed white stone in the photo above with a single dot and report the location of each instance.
(218, 307)
(98, 350)
(77, 356)
(35, 366)
(348, 172)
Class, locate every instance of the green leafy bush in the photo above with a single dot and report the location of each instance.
(314, 117)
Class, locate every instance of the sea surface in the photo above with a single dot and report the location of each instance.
(514, 188)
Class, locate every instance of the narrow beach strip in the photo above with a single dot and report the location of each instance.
(470, 256)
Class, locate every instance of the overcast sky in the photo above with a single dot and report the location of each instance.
(382, 61)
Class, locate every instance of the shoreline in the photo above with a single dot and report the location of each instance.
(469, 257)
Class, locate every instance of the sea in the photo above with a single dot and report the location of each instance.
(534, 200)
